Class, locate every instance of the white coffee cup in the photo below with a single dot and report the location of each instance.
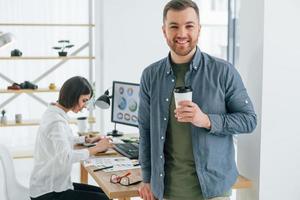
(82, 124)
(182, 93)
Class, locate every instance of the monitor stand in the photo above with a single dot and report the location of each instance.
(115, 133)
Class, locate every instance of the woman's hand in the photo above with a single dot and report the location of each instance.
(101, 146)
(94, 139)
(104, 144)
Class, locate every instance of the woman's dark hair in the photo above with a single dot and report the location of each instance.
(72, 89)
(179, 5)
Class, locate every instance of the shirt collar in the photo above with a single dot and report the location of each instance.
(194, 65)
(58, 110)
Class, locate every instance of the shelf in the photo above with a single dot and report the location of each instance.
(37, 122)
(47, 24)
(28, 90)
(47, 58)
(22, 154)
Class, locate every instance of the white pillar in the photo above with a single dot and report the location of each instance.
(269, 32)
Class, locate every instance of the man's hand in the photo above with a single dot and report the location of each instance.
(145, 192)
(190, 112)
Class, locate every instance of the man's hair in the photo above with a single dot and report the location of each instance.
(179, 5)
(72, 89)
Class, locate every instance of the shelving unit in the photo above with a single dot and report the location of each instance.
(28, 91)
(60, 61)
(36, 122)
(46, 24)
(47, 58)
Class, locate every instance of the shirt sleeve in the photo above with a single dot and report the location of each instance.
(78, 140)
(63, 146)
(144, 129)
(240, 116)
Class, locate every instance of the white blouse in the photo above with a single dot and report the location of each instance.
(54, 154)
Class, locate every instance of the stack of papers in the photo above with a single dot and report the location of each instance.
(117, 163)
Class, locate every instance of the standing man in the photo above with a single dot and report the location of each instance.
(188, 153)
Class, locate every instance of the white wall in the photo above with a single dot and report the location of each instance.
(129, 39)
(269, 52)
(280, 154)
(250, 66)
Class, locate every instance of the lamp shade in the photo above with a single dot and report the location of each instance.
(103, 101)
(5, 39)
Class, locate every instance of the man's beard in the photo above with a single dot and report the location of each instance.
(182, 51)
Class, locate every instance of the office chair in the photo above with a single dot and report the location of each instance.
(13, 190)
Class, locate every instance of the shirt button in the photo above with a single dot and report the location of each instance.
(165, 119)
(161, 156)
(173, 80)
(162, 137)
(161, 174)
(167, 99)
(246, 101)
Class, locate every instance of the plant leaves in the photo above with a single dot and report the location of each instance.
(57, 48)
(64, 41)
(69, 46)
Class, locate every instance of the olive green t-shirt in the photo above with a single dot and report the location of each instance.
(181, 180)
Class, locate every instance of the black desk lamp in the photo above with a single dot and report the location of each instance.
(103, 102)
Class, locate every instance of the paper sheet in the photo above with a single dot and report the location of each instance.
(118, 163)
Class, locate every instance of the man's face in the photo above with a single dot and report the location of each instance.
(181, 30)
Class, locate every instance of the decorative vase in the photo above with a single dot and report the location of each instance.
(52, 86)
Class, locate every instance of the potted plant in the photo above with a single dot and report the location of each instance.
(65, 44)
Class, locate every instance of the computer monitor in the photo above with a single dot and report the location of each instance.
(125, 104)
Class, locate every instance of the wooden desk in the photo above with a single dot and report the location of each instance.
(125, 192)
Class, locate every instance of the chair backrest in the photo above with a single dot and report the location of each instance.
(13, 190)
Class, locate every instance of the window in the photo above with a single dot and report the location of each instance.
(217, 18)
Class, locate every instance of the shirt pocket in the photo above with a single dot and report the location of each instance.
(217, 151)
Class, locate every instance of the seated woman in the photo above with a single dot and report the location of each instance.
(54, 153)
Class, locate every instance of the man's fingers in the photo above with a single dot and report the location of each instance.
(185, 109)
(185, 119)
(185, 103)
(144, 193)
(187, 114)
(152, 197)
(141, 193)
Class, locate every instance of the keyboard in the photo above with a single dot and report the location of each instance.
(130, 150)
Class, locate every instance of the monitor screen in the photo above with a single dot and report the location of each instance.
(125, 103)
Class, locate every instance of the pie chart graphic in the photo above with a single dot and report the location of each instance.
(132, 105)
(129, 91)
(122, 104)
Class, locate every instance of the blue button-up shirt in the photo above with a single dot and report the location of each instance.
(219, 92)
